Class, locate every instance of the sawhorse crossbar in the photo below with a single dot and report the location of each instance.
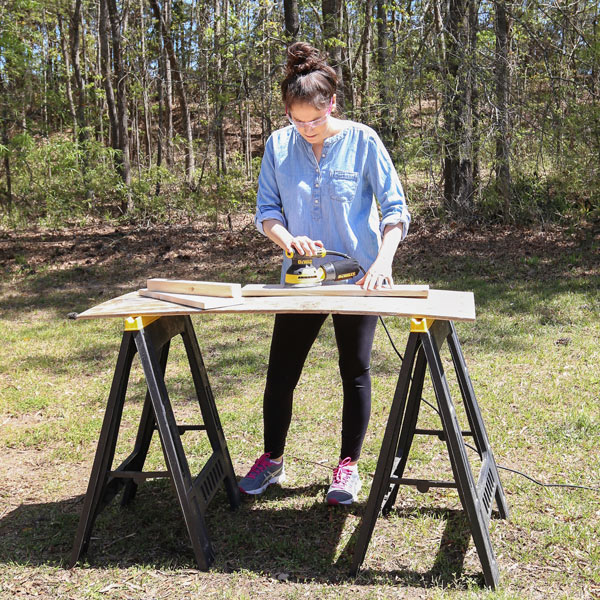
(422, 350)
(151, 338)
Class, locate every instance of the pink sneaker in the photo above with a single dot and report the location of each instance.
(264, 473)
(345, 485)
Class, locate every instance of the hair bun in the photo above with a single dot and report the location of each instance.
(302, 58)
(308, 77)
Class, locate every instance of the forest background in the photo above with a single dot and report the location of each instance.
(148, 110)
(131, 134)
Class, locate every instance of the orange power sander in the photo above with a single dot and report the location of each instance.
(302, 272)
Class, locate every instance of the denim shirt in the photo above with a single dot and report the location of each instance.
(332, 200)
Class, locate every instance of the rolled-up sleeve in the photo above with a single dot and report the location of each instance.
(268, 200)
(386, 186)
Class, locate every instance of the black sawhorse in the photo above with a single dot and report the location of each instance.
(426, 338)
(151, 338)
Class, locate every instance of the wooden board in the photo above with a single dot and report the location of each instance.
(192, 300)
(440, 304)
(200, 288)
(132, 304)
(345, 289)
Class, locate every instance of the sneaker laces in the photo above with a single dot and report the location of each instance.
(341, 473)
(260, 465)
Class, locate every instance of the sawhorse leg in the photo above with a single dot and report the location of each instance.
(422, 350)
(151, 339)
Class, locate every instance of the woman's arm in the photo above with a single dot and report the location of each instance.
(276, 232)
(386, 187)
(379, 274)
(270, 218)
(395, 216)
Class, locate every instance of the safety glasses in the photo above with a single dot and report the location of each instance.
(311, 124)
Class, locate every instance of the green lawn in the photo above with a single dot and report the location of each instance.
(533, 357)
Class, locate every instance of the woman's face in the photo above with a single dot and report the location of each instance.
(312, 123)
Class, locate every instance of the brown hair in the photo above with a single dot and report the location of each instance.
(308, 77)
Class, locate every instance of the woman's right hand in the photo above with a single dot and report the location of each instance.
(304, 245)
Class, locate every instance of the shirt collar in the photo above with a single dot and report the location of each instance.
(327, 141)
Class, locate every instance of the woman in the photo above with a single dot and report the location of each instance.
(316, 187)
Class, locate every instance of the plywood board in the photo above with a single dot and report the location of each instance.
(132, 304)
(192, 300)
(440, 304)
(346, 289)
(200, 288)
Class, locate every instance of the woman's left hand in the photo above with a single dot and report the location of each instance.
(377, 277)
(379, 274)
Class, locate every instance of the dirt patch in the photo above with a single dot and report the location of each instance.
(127, 254)
(182, 250)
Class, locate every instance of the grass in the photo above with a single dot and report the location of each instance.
(533, 357)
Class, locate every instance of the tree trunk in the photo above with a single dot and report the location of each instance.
(105, 67)
(147, 116)
(332, 21)
(292, 22)
(118, 26)
(248, 155)
(5, 142)
(45, 72)
(366, 51)
(168, 79)
(176, 71)
(136, 139)
(473, 31)
(97, 76)
(458, 117)
(9, 196)
(221, 68)
(76, 19)
(503, 180)
(349, 64)
(67, 63)
(440, 37)
(385, 127)
(346, 59)
(160, 136)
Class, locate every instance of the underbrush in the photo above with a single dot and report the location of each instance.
(57, 182)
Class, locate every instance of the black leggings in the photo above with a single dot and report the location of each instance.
(293, 336)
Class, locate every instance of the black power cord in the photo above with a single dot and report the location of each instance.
(541, 484)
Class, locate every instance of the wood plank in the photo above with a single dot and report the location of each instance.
(192, 300)
(200, 288)
(346, 289)
(440, 304)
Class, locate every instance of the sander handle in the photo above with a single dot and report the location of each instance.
(340, 269)
(321, 254)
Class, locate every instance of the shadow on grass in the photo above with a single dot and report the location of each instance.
(447, 569)
(95, 357)
(280, 535)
